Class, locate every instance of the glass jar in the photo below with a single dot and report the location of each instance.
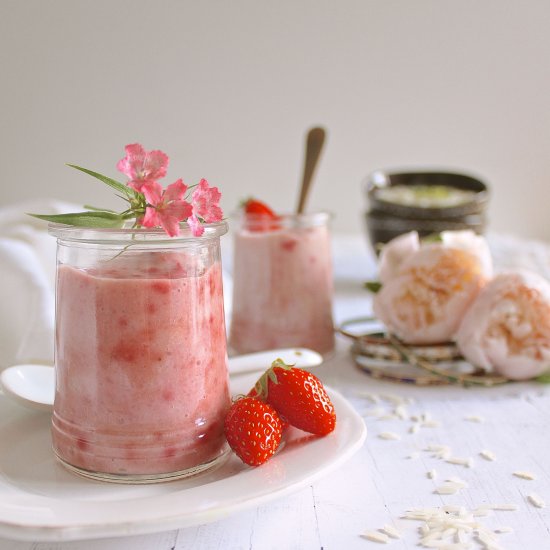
(282, 283)
(140, 353)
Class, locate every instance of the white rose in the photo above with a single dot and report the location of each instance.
(427, 287)
(507, 329)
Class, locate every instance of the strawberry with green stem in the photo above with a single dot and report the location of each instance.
(298, 396)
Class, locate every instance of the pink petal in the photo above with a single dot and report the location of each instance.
(196, 227)
(180, 210)
(151, 218)
(138, 164)
(170, 224)
(155, 165)
(395, 253)
(475, 244)
(135, 156)
(153, 192)
(507, 329)
(427, 300)
(137, 185)
(171, 214)
(215, 214)
(175, 191)
(205, 202)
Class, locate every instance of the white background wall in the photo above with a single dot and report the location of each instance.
(228, 89)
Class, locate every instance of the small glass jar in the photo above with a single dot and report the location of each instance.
(282, 283)
(140, 353)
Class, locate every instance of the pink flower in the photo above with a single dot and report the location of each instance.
(142, 166)
(395, 252)
(167, 207)
(427, 287)
(205, 201)
(507, 329)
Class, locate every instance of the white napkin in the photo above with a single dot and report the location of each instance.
(27, 283)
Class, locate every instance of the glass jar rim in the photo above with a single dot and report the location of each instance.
(286, 219)
(123, 234)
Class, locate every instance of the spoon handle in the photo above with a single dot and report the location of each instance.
(314, 145)
(260, 361)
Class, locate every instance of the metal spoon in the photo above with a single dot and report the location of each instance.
(34, 385)
(314, 145)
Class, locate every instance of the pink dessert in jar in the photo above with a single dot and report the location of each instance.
(282, 283)
(141, 364)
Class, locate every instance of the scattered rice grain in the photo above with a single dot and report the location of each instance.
(372, 397)
(503, 530)
(375, 411)
(393, 398)
(388, 417)
(389, 436)
(536, 500)
(481, 511)
(432, 474)
(505, 507)
(450, 487)
(524, 475)
(424, 529)
(431, 424)
(466, 462)
(455, 479)
(451, 528)
(391, 531)
(488, 455)
(475, 418)
(376, 536)
(401, 412)
(487, 539)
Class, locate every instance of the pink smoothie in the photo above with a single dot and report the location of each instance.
(141, 365)
(282, 290)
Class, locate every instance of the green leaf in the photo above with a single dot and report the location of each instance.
(95, 208)
(373, 286)
(84, 219)
(432, 238)
(543, 378)
(120, 187)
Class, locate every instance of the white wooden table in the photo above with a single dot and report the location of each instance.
(387, 477)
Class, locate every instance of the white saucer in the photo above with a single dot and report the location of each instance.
(40, 500)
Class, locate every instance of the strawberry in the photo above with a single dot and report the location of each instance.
(298, 396)
(253, 430)
(259, 217)
(254, 393)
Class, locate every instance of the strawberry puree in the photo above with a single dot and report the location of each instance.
(282, 293)
(141, 367)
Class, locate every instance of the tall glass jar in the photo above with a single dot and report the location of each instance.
(282, 283)
(140, 353)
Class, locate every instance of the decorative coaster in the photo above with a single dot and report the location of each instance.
(384, 356)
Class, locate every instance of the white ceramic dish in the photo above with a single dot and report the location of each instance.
(34, 385)
(40, 500)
